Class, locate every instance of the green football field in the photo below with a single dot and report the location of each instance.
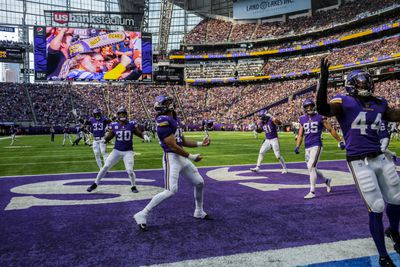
(37, 155)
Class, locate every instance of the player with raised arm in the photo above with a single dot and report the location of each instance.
(123, 130)
(359, 114)
(311, 125)
(269, 126)
(176, 160)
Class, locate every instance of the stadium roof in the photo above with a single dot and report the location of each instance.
(210, 8)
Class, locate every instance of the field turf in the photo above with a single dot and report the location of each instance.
(37, 155)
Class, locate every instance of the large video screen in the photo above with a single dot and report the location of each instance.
(75, 54)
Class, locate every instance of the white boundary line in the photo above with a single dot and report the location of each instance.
(293, 256)
(202, 167)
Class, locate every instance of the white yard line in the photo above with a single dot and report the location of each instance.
(202, 167)
(295, 256)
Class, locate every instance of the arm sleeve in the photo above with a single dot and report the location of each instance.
(323, 107)
(164, 128)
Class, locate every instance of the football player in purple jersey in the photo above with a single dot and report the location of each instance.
(123, 130)
(359, 114)
(311, 125)
(269, 126)
(176, 161)
(98, 123)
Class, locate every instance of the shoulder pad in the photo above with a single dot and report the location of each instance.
(163, 120)
(337, 99)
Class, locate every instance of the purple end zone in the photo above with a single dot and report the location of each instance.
(246, 220)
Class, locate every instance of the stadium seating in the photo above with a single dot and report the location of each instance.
(350, 10)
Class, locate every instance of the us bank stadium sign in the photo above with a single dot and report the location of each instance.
(84, 18)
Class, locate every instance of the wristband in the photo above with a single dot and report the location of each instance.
(198, 143)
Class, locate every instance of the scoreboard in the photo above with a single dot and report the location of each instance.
(14, 55)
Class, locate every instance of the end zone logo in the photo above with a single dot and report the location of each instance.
(61, 17)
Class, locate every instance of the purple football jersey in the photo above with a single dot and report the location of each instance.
(270, 129)
(312, 129)
(166, 126)
(361, 124)
(98, 126)
(384, 130)
(123, 135)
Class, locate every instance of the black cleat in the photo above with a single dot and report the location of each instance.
(92, 187)
(208, 218)
(134, 189)
(386, 262)
(395, 237)
(143, 227)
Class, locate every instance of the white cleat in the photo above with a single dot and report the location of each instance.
(141, 219)
(310, 195)
(256, 169)
(284, 171)
(328, 185)
(200, 214)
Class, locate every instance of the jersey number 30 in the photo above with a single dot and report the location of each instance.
(360, 122)
(123, 135)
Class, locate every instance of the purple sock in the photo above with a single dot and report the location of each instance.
(393, 213)
(376, 229)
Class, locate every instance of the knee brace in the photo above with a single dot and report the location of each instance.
(369, 190)
(378, 205)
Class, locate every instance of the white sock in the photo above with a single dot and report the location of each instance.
(321, 174)
(313, 179)
(282, 161)
(101, 174)
(157, 199)
(132, 177)
(98, 161)
(198, 196)
(260, 159)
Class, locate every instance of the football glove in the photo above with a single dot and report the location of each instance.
(341, 145)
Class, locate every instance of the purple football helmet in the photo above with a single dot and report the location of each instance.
(359, 82)
(309, 103)
(264, 115)
(96, 113)
(122, 114)
(164, 104)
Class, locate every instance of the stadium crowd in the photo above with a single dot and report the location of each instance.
(246, 67)
(214, 31)
(58, 104)
(14, 44)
